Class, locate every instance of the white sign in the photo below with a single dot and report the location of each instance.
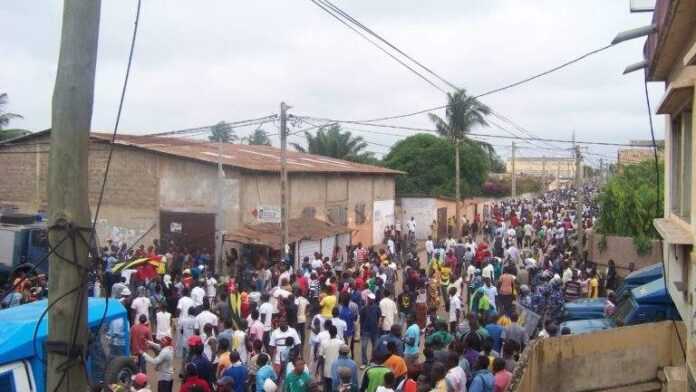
(175, 227)
(268, 214)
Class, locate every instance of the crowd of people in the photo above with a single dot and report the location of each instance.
(450, 321)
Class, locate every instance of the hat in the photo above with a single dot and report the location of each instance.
(371, 295)
(125, 292)
(194, 340)
(344, 349)
(139, 379)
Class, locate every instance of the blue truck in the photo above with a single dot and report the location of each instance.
(23, 243)
(593, 308)
(22, 358)
(649, 302)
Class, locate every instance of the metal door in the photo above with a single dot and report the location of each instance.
(192, 230)
(442, 223)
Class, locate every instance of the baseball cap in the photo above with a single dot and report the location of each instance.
(139, 379)
(194, 340)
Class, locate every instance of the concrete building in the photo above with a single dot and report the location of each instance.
(551, 167)
(670, 55)
(641, 151)
(167, 187)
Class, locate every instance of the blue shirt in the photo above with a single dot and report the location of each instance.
(412, 333)
(369, 319)
(482, 381)
(239, 373)
(495, 331)
(204, 367)
(347, 315)
(343, 361)
(262, 375)
(381, 350)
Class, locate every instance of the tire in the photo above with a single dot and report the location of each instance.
(120, 369)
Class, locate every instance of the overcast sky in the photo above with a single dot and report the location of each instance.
(200, 62)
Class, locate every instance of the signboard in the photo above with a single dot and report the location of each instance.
(528, 319)
(175, 227)
(268, 214)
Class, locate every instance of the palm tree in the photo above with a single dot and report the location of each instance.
(332, 142)
(463, 113)
(258, 138)
(222, 132)
(5, 119)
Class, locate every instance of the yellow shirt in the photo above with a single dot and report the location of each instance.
(445, 273)
(327, 305)
(593, 292)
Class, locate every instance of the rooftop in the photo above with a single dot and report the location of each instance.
(243, 156)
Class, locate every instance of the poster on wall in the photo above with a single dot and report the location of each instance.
(383, 216)
(268, 214)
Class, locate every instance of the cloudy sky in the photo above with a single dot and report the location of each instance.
(200, 62)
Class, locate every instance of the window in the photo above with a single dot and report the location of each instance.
(681, 165)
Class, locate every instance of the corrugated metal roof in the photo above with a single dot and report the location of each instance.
(268, 234)
(258, 158)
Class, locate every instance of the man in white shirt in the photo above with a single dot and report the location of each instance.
(487, 271)
(203, 318)
(210, 288)
(185, 302)
(411, 225)
(337, 322)
(455, 309)
(164, 322)
(266, 311)
(141, 305)
(490, 290)
(429, 248)
(282, 340)
(329, 351)
(197, 295)
(389, 311)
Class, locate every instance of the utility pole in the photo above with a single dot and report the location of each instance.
(543, 173)
(283, 178)
(458, 228)
(68, 202)
(514, 172)
(601, 171)
(220, 216)
(579, 199)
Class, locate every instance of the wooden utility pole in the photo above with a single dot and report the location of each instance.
(543, 173)
(579, 199)
(220, 216)
(514, 172)
(457, 196)
(283, 177)
(68, 204)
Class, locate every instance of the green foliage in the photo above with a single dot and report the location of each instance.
(331, 141)
(629, 203)
(7, 134)
(5, 117)
(463, 113)
(258, 138)
(429, 162)
(222, 132)
(503, 187)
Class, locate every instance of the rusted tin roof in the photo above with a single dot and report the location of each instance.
(258, 158)
(268, 234)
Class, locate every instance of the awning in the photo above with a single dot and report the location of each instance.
(672, 232)
(268, 234)
(675, 98)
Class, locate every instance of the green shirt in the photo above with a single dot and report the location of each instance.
(297, 382)
(374, 377)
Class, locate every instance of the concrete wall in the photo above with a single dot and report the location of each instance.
(622, 251)
(600, 360)
(316, 195)
(423, 210)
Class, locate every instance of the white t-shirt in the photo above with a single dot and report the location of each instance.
(429, 247)
(197, 295)
(184, 304)
(266, 314)
(301, 303)
(389, 311)
(141, 305)
(455, 304)
(164, 325)
(210, 286)
(488, 272)
(470, 271)
(340, 325)
(206, 317)
(317, 263)
(411, 226)
(237, 343)
(491, 292)
(329, 350)
(278, 340)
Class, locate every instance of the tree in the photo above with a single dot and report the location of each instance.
(258, 138)
(462, 114)
(5, 118)
(331, 141)
(627, 204)
(222, 132)
(429, 162)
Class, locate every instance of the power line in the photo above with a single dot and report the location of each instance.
(234, 124)
(365, 37)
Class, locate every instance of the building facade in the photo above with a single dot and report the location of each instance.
(549, 167)
(670, 55)
(168, 188)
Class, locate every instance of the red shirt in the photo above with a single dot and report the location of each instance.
(194, 381)
(140, 333)
(303, 285)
